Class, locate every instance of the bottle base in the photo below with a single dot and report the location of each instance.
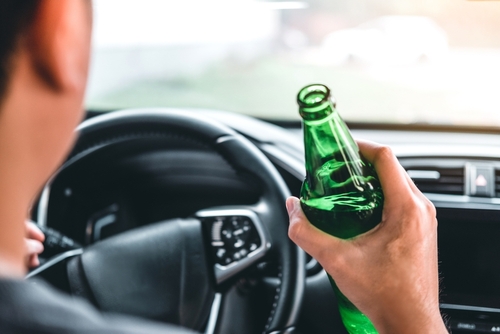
(354, 321)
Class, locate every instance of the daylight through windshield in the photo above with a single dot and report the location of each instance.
(390, 61)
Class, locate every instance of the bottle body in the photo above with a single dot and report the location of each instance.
(343, 224)
(341, 194)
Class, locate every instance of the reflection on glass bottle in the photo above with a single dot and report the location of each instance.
(341, 194)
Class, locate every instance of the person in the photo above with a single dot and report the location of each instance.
(390, 273)
(44, 56)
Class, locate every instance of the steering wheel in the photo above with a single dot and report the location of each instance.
(182, 270)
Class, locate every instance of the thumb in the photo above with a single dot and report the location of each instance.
(320, 245)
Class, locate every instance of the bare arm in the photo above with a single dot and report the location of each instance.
(390, 273)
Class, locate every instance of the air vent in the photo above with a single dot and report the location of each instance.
(497, 182)
(438, 180)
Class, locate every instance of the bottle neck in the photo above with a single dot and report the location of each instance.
(330, 150)
(329, 138)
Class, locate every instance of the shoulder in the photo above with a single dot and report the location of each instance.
(35, 307)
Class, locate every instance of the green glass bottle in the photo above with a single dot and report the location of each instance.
(341, 194)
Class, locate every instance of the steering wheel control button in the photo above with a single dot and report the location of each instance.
(237, 239)
(233, 237)
(220, 253)
(216, 230)
(56, 243)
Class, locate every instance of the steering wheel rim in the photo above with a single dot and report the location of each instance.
(242, 155)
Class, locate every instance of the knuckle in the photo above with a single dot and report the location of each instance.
(412, 208)
(383, 153)
(434, 223)
(420, 206)
(431, 209)
(426, 209)
(424, 218)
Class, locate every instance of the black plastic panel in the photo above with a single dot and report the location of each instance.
(149, 179)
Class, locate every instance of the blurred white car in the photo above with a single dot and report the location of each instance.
(395, 40)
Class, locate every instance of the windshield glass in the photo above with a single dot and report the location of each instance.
(386, 61)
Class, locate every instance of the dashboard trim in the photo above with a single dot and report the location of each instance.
(463, 202)
(468, 308)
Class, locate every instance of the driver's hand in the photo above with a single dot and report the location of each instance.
(33, 242)
(390, 273)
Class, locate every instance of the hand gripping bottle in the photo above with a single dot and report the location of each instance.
(341, 194)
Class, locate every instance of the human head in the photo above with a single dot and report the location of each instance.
(44, 57)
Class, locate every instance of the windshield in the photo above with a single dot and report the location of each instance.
(386, 61)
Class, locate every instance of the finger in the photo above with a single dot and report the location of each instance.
(391, 175)
(33, 261)
(33, 232)
(315, 242)
(33, 247)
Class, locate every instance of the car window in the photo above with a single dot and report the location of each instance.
(386, 61)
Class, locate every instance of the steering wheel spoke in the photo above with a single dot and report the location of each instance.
(237, 239)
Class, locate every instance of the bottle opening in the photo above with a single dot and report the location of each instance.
(315, 102)
(313, 96)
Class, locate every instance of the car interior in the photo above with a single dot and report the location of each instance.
(171, 206)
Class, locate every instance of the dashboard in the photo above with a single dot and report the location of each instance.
(458, 172)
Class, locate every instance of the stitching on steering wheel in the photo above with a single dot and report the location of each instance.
(275, 301)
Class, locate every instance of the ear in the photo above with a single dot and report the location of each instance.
(58, 43)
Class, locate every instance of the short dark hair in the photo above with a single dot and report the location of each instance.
(15, 17)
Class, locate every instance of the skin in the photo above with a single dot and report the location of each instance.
(39, 112)
(33, 241)
(390, 273)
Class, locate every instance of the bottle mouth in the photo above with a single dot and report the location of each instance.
(313, 95)
(315, 102)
